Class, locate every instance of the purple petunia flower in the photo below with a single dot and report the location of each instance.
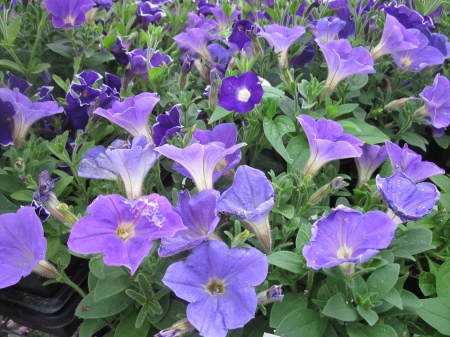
(238, 38)
(120, 51)
(407, 17)
(326, 29)
(240, 93)
(407, 199)
(344, 61)
(222, 20)
(22, 245)
(221, 294)
(199, 21)
(220, 57)
(138, 62)
(167, 125)
(396, 38)
(132, 114)
(195, 40)
(345, 236)
(122, 229)
(343, 12)
(437, 104)
(146, 13)
(66, 14)
(45, 196)
(411, 163)
(328, 142)
(7, 112)
(13, 81)
(250, 198)
(307, 55)
(372, 157)
(40, 211)
(200, 217)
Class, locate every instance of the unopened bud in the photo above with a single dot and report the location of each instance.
(240, 239)
(213, 91)
(176, 330)
(329, 188)
(271, 295)
(46, 269)
(19, 165)
(68, 216)
(399, 102)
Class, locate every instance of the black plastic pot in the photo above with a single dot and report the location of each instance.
(49, 308)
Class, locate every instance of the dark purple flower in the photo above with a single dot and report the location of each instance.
(22, 245)
(120, 52)
(7, 112)
(326, 29)
(66, 14)
(199, 21)
(238, 38)
(200, 218)
(40, 211)
(221, 294)
(307, 55)
(344, 14)
(45, 94)
(85, 91)
(328, 142)
(45, 196)
(167, 125)
(250, 198)
(12, 82)
(123, 229)
(348, 236)
(240, 93)
(147, 13)
(344, 61)
(408, 17)
(107, 4)
(411, 163)
(195, 40)
(407, 199)
(204, 7)
(220, 57)
(372, 157)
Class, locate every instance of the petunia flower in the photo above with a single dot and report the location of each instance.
(395, 38)
(250, 198)
(344, 61)
(408, 17)
(200, 21)
(240, 93)
(123, 229)
(411, 163)
(13, 81)
(372, 157)
(132, 114)
(167, 125)
(343, 12)
(195, 40)
(200, 217)
(7, 112)
(146, 13)
(326, 29)
(238, 38)
(407, 199)
(328, 142)
(219, 285)
(67, 14)
(222, 19)
(348, 237)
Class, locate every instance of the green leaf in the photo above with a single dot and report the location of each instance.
(443, 280)
(218, 113)
(290, 303)
(7, 206)
(98, 58)
(416, 240)
(382, 280)
(97, 266)
(287, 260)
(39, 68)
(13, 29)
(357, 82)
(436, 312)
(337, 308)
(427, 283)
(272, 92)
(10, 184)
(442, 181)
(414, 139)
(53, 244)
(115, 281)
(89, 308)
(299, 150)
(62, 49)
(176, 309)
(285, 210)
(24, 195)
(154, 73)
(11, 65)
(379, 330)
(60, 82)
(369, 315)
(87, 328)
(369, 134)
(445, 201)
(127, 326)
(61, 185)
(275, 130)
(409, 299)
(302, 322)
(393, 297)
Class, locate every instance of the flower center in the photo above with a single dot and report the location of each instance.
(221, 165)
(125, 231)
(70, 20)
(244, 95)
(406, 62)
(240, 28)
(85, 93)
(215, 287)
(344, 252)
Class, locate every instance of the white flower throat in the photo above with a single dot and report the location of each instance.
(244, 95)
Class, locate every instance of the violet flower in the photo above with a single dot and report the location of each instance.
(40, 211)
(67, 14)
(346, 236)
(7, 112)
(199, 21)
(195, 40)
(45, 196)
(95, 164)
(344, 61)
(372, 157)
(411, 163)
(22, 245)
(407, 199)
(328, 142)
(123, 229)
(139, 63)
(132, 114)
(26, 114)
(326, 29)
(221, 294)
(167, 125)
(343, 12)
(396, 38)
(250, 198)
(222, 20)
(120, 52)
(240, 93)
(407, 17)
(238, 38)
(146, 13)
(437, 103)
(13, 81)
(200, 217)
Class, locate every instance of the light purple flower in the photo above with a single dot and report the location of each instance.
(411, 163)
(437, 103)
(219, 285)
(95, 164)
(132, 114)
(22, 245)
(195, 40)
(66, 14)
(27, 112)
(222, 20)
(240, 93)
(344, 61)
(396, 38)
(372, 157)
(326, 29)
(250, 198)
(167, 125)
(200, 218)
(343, 12)
(123, 229)
(348, 236)
(146, 13)
(199, 21)
(328, 142)
(407, 199)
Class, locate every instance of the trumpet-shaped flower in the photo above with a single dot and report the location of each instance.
(372, 157)
(411, 163)
(199, 215)
(326, 29)
(238, 38)
(219, 285)
(348, 236)
(123, 229)
(328, 142)
(250, 198)
(408, 17)
(407, 199)
(343, 12)
(7, 112)
(195, 40)
(240, 93)
(66, 14)
(344, 61)
(167, 125)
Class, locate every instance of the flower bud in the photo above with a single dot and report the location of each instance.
(19, 165)
(188, 63)
(329, 188)
(213, 91)
(46, 269)
(271, 295)
(176, 330)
